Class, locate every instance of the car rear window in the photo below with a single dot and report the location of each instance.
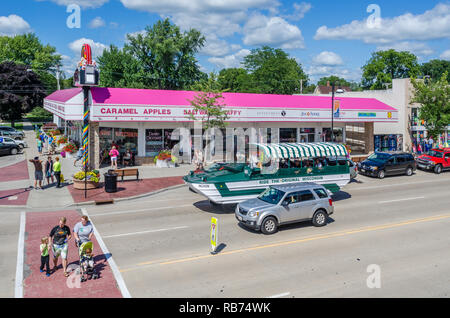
(321, 193)
(306, 195)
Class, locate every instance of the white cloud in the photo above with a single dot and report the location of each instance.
(98, 22)
(215, 46)
(300, 9)
(262, 30)
(432, 24)
(445, 55)
(327, 58)
(417, 48)
(196, 6)
(317, 72)
(86, 4)
(97, 48)
(233, 60)
(13, 25)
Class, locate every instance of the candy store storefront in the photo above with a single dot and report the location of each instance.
(148, 121)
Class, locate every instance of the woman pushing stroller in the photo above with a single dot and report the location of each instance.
(83, 232)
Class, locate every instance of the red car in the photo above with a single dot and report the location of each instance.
(436, 160)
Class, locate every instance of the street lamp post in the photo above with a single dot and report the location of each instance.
(332, 111)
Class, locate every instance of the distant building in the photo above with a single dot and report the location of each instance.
(326, 89)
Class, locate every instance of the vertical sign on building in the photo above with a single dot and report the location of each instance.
(214, 234)
(336, 108)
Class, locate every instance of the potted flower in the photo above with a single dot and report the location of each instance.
(92, 180)
(164, 159)
(70, 148)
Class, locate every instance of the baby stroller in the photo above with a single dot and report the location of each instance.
(87, 264)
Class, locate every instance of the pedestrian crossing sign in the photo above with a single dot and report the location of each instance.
(213, 234)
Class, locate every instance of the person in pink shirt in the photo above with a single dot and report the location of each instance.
(114, 153)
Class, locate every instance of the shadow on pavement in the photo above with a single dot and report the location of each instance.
(341, 195)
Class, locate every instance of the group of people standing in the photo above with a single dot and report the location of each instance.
(58, 243)
(52, 170)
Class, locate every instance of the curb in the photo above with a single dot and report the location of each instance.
(130, 198)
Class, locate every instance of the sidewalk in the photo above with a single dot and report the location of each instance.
(152, 179)
(38, 285)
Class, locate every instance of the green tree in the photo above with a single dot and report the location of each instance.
(118, 68)
(435, 69)
(20, 91)
(435, 100)
(167, 55)
(272, 71)
(384, 66)
(330, 79)
(233, 79)
(28, 50)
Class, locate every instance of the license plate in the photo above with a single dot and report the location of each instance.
(239, 218)
(422, 166)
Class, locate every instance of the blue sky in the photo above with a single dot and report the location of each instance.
(326, 37)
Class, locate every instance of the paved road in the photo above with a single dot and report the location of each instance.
(161, 245)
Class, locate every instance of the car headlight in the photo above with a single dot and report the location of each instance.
(253, 214)
(374, 168)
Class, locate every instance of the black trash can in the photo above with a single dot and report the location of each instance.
(110, 181)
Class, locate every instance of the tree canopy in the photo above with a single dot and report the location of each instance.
(20, 91)
(166, 55)
(384, 66)
(435, 69)
(338, 80)
(434, 96)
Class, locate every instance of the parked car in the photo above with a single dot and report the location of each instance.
(436, 160)
(344, 161)
(381, 164)
(11, 132)
(284, 204)
(8, 149)
(7, 140)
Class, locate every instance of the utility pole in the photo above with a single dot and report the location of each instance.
(301, 86)
(58, 87)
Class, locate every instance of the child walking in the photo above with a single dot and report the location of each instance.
(45, 258)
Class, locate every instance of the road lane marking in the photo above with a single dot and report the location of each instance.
(18, 293)
(143, 210)
(303, 240)
(399, 200)
(280, 295)
(145, 232)
(117, 275)
(399, 184)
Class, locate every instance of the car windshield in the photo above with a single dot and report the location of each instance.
(271, 195)
(435, 153)
(378, 156)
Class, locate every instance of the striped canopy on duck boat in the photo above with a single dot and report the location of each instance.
(303, 150)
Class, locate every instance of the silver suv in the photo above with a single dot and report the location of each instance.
(286, 204)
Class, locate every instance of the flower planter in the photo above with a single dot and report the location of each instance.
(79, 184)
(165, 164)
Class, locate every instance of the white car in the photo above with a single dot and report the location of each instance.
(7, 140)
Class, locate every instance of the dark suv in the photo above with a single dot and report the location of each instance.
(381, 164)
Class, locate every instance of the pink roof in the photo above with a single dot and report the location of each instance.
(131, 96)
(64, 95)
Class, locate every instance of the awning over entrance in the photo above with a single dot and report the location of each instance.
(123, 104)
(302, 150)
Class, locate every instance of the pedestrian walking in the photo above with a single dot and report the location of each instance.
(59, 241)
(49, 170)
(45, 257)
(57, 172)
(39, 146)
(114, 153)
(79, 155)
(38, 174)
(83, 231)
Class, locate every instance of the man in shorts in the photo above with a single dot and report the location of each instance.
(38, 174)
(59, 237)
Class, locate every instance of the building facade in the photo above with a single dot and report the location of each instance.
(144, 121)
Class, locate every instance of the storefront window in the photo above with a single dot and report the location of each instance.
(288, 135)
(338, 134)
(122, 138)
(307, 134)
(154, 142)
(388, 142)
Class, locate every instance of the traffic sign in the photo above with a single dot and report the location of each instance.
(214, 234)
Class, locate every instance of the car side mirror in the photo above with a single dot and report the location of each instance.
(285, 203)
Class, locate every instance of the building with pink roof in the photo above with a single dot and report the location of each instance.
(143, 120)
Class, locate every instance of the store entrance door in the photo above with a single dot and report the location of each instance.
(303, 138)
